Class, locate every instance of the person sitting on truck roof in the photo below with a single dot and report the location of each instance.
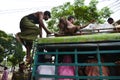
(107, 26)
(68, 27)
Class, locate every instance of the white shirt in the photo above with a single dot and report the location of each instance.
(46, 70)
(106, 26)
(90, 27)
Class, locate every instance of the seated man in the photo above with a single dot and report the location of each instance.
(107, 26)
(70, 25)
(67, 26)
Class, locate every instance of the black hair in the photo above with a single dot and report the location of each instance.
(47, 13)
(5, 68)
(110, 19)
(70, 17)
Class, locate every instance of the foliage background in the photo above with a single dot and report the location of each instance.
(11, 50)
(83, 13)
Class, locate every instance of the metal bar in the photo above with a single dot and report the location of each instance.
(83, 52)
(96, 49)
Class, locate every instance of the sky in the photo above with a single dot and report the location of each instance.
(11, 11)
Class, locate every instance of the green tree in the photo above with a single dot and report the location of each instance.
(83, 13)
(4, 44)
(9, 46)
(17, 52)
(16, 58)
